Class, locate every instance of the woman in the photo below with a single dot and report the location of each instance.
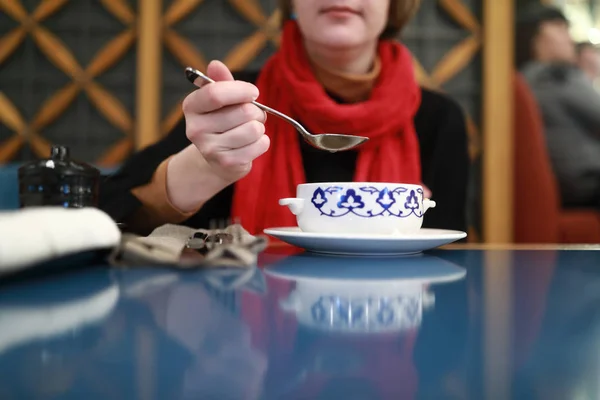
(337, 70)
(568, 102)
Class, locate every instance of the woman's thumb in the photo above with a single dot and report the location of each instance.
(218, 71)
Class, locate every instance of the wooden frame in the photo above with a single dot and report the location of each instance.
(149, 61)
(498, 121)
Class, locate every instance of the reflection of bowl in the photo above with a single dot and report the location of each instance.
(362, 295)
(356, 308)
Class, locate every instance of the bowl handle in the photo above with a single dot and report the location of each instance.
(295, 205)
(427, 204)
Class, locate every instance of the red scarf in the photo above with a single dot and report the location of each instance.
(288, 84)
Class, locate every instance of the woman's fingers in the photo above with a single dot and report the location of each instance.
(241, 158)
(225, 119)
(217, 95)
(218, 71)
(238, 137)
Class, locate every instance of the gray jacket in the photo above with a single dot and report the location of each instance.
(570, 108)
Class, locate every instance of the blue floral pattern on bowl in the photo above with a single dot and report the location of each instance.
(381, 312)
(398, 201)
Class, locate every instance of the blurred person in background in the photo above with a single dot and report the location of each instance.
(339, 69)
(570, 107)
(588, 59)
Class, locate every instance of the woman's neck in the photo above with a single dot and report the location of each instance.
(356, 60)
(348, 76)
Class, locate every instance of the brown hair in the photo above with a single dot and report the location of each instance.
(401, 11)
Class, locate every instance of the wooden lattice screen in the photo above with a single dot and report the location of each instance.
(31, 71)
(21, 23)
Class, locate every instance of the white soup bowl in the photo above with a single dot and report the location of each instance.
(359, 207)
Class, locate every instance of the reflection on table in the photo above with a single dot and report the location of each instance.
(446, 324)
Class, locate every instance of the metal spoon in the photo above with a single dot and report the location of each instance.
(332, 142)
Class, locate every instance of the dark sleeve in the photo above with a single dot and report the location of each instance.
(445, 159)
(116, 198)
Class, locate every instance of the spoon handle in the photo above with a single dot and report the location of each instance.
(193, 74)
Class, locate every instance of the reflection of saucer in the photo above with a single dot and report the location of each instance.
(366, 245)
(362, 295)
(418, 269)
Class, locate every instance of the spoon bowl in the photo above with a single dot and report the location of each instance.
(332, 142)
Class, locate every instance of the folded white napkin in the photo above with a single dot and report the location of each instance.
(33, 235)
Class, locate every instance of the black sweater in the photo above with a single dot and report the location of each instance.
(441, 128)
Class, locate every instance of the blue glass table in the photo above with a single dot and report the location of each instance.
(457, 323)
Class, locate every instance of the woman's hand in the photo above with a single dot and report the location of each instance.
(426, 192)
(227, 130)
(227, 134)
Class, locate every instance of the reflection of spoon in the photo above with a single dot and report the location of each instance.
(326, 141)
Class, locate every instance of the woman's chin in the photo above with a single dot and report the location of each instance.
(335, 40)
(347, 34)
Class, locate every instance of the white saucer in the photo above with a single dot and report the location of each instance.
(366, 245)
